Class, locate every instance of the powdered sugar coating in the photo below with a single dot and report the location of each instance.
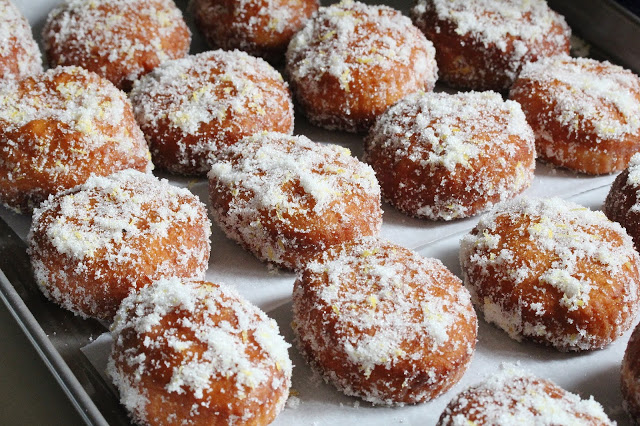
(191, 108)
(382, 323)
(259, 27)
(351, 61)
(19, 53)
(554, 272)
(484, 44)
(59, 127)
(120, 40)
(585, 113)
(493, 20)
(577, 82)
(630, 376)
(94, 244)
(285, 197)
(513, 396)
(194, 352)
(634, 171)
(442, 156)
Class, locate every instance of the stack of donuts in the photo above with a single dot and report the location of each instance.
(122, 99)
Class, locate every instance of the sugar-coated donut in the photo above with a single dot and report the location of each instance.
(442, 156)
(630, 377)
(120, 40)
(94, 244)
(260, 27)
(585, 113)
(191, 108)
(483, 44)
(514, 397)
(382, 323)
(197, 353)
(621, 204)
(284, 198)
(351, 61)
(553, 272)
(58, 128)
(19, 53)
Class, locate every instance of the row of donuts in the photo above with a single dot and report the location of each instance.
(402, 327)
(357, 365)
(583, 113)
(121, 40)
(436, 155)
(480, 46)
(567, 276)
(251, 385)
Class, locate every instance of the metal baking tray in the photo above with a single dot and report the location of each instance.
(58, 335)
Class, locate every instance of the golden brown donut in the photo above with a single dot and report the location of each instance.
(285, 198)
(351, 61)
(585, 113)
(259, 27)
(197, 353)
(553, 272)
(58, 128)
(190, 109)
(442, 156)
(630, 377)
(621, 204)
(19, 53)
(120, 40)
(483, 44)
(515, 397)
(380, 322)
(94, 244)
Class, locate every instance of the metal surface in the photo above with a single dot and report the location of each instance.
(56, 334)
(606, 25)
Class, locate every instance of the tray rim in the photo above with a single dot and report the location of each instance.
(75, 392)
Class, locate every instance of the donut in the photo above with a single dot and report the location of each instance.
(483, 45)
(193, 352)
(553, 272)
(382, 323)
(351, 61)
(191, 108)
(621, 204)
(513, 396)
(120, 40)
(19, 53)
(630, 377)
(441, 156)
(259, 27)
(585, 113)
(92, 245)
(58, 128)
(285, 198)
